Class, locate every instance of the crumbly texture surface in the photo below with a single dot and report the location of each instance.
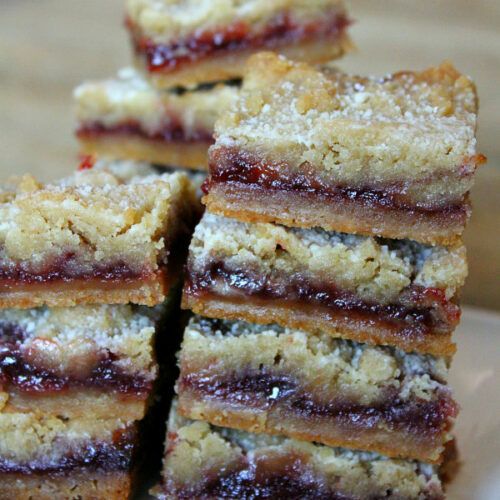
(374, 269)
(114, 214)
(199, 458)
(410, 135)
(48, 440)
(167, 20)
(315, 388)
(130, 97)
(69, 345)
(77, 485)
(325, 366)
(66, 340)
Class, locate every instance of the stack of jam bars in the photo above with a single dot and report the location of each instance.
(86, 264)
(189, 61)
(326, 274)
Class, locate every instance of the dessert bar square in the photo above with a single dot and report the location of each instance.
(49, 457)
(105, 235)
(267, 379)
(392, 156)
(393, 292)
(204, 461)
(127, 118)
(76, 361)
(185, 43)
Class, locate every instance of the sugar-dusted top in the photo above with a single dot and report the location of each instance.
(374, 268)
(114, 211)
(167, 20)
(411, 124)
(129, 96)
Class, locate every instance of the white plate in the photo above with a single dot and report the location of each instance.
(475, 379)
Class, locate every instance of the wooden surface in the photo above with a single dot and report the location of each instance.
(49, 46)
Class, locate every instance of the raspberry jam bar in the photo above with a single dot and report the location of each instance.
(184, 43)
(105, 235)
(267, 379)
(392, 292)
(204, 461)
(49, 457)
(82, 360)
(127, 118)
(392, 157)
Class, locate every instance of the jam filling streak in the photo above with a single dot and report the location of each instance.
(281, 30)
(112, 456)
(421, 311)
(258, 389)
(66, 268)
(265, 476)
(228, 166)
(171, 132)
(15, 370)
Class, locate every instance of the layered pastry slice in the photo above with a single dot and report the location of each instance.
(79, 361)
(127, 118)
(203, 461)
(392, 156)
(46, 457)
(392, 292)
(185, 43)
(267, 379)
(106, 235)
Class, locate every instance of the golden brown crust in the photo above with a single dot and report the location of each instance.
(232, 65)
(77, 403)
(391, 443)
(312, 320)
(184, 155)
(78, 292)
(293, 210)
(76, 485)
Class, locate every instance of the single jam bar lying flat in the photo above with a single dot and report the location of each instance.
(392, 157)
(393, 292)
(44, 458)
(127, 118)
(203, 461)
(267, 379)
(185, 43)
(106, 235)
(78, 361)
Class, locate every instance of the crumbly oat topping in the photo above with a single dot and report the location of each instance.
(198, 448)
(68, 340)
(97, 216)
(130, 97)
(30, 437)
(361, 369)
(374, 268)
(167, 20)
(400, 127)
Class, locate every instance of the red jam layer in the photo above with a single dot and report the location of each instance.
(174, 131)
(113, 456)
(263, 476)
(229, 166)
(258, 390)
(66, 268)
(16, 371)
(420, 311)
(282, 30)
